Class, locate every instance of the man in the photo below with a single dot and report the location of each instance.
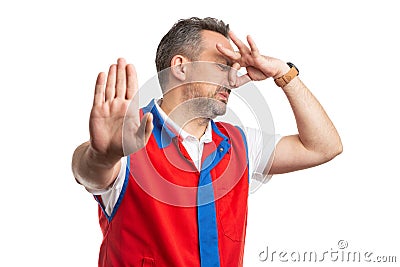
(171, 183)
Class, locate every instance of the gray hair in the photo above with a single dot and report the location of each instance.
(184, 38)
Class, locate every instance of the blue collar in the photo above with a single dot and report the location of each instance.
(161, 132)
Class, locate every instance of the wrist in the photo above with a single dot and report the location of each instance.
(105, 161)
(286, 78)
(282, 69)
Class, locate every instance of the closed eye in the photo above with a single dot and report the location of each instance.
(223, 67)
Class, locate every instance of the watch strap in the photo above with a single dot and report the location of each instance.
(286, 78)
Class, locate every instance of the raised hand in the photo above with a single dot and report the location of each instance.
(115, 114)
(258, 67)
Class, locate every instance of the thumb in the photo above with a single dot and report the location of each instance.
(232, 76)
(146, 126)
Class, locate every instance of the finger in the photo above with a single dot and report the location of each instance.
(253, 47)
(241, 80)
(232, 55)
(132, 92)
(99, 90)
(242, 46)
(110, 87)
(232, 76)
(132, 84)
(121, 78)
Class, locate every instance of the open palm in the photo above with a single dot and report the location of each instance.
(115, 118)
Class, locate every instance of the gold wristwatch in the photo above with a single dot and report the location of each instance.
(285, 79)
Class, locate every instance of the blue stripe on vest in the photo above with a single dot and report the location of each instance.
(206, 213)
(206, 218)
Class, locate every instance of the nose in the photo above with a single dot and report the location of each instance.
(224, 88)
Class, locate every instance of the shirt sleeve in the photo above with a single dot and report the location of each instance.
(110, 196)
(261, 147)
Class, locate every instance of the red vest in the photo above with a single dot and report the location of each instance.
(169, 214)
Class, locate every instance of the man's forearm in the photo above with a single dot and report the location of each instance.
(93, 171)
(316, 131)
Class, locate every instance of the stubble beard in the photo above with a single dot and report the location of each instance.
(200, 106)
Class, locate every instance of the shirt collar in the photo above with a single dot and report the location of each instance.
(206, 138)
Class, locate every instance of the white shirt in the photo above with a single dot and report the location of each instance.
(194, 147)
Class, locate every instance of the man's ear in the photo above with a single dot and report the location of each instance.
(178, 67)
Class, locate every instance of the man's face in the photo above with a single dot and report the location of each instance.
(211, 95)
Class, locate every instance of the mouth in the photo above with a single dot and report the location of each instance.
(223, 94)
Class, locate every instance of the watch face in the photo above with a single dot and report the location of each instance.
(290, 64)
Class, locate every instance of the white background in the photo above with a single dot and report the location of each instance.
(347, 53)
